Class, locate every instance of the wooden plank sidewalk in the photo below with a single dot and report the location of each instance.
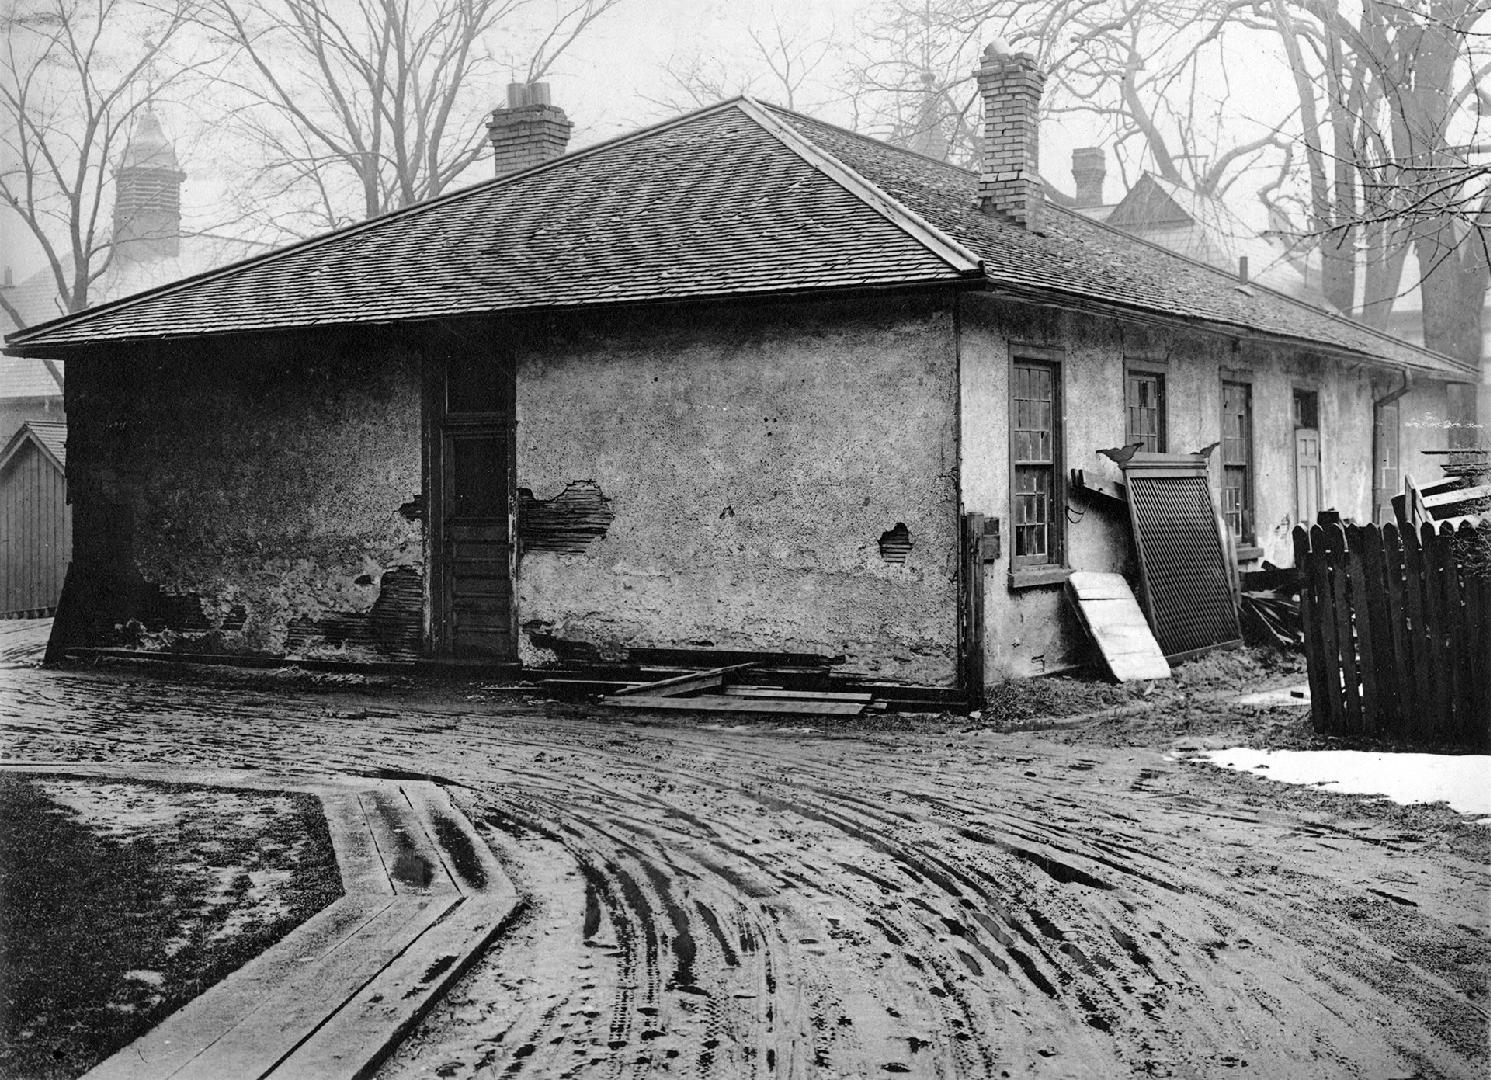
(336, 995)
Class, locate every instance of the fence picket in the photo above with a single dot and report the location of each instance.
(1434, 626)
(1384, 656)
(1473, 633)
(1330, 650)
(1359, 618)
(1398, 630)
(1418, 638)
(1397, 613)
(1310, 612)
(1482, 566)
(1451, 606)
(1335, 545)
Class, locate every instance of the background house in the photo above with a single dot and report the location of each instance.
(147, 248)
(1204, 228)
(35, 525)
(29, 390)
(729, 382)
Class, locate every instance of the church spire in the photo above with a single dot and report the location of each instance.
(147, 195)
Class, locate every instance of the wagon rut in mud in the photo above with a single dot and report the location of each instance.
(758, 902)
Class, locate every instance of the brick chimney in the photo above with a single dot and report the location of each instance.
(147, 195)
(1089, 167)
(1010, 185)
(529, 131)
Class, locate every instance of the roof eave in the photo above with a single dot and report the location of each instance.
(1046, 296)
(973, 279)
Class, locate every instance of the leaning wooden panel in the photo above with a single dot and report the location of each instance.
(1186, 583)
(1108, 610)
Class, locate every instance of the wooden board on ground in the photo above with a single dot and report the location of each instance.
(793, 695)
(684, 684)
(724, 703)
(1108, 610)
(375, 1017)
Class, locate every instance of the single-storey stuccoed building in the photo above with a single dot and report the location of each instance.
(730, 382)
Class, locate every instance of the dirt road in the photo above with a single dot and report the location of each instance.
(716, 901)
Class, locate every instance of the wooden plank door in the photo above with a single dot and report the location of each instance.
(1306, 475)
(471, 474)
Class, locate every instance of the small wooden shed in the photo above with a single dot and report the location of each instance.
(35, 520)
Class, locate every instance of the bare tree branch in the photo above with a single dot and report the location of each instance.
(374, 104)
(71, 86)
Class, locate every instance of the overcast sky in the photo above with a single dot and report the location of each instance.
(614, 78)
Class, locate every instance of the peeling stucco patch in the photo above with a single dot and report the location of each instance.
(391, 629)
(414, 509)
(895, 543)
(568, 523)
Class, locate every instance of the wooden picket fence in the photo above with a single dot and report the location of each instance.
(1398, 630)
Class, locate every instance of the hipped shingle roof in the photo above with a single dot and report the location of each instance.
(738, 199)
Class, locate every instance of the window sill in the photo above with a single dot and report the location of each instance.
(1249, 553)
(1032, 576)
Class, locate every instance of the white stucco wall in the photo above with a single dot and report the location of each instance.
(753, 458)
(1031, 630)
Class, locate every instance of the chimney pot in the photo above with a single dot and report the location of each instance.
(1009, 183)
(1242, 269)
(530, 131)
(1089, 167)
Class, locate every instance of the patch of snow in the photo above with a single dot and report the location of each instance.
(123, 809)
(1289, 695)
(1462, 780)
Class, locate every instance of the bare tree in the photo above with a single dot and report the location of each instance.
(360, 107)
(1136, 66)
(781, 63)
(1391, 117)
(1382, 154)
(76, 75)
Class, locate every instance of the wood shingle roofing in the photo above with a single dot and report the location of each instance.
(735, 200)
(49, 435)
(1087, 261)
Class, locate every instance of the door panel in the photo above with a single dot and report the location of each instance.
(1306, 476)
(471, 469)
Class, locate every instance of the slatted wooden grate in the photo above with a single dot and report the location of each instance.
(1187, 590)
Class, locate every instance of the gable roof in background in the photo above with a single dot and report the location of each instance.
(1206, 229)
(1147, 203)
(48, 436)
(737, 199)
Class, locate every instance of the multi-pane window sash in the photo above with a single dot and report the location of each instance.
(1144, 403)
(1036, 424)
(1237, 459)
